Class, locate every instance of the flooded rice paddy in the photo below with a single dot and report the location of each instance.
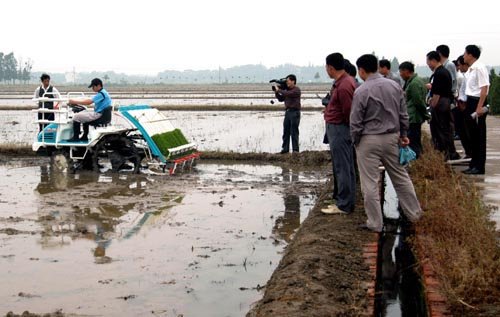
(245, 95)
(236, 131)
(202, 243)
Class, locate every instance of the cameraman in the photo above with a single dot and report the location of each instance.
(291, 97)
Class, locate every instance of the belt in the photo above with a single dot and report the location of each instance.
(473, 97)
(292, 109)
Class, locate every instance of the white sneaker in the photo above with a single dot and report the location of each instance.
(333, 210)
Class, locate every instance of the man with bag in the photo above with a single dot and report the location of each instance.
(379, 125)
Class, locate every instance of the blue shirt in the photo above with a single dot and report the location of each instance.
(101, 100)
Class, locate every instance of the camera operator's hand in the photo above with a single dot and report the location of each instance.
(277, 88)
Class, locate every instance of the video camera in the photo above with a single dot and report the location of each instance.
(280, 83)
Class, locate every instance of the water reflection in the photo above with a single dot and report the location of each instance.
(400, 291)
(97, 207)
(399, 288)
(286, 224)
(188, 243)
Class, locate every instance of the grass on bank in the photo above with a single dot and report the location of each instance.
(456, 236)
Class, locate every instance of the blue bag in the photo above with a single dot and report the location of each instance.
(406, 155)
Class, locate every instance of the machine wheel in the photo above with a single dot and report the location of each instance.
(60, 161)
(115, 153)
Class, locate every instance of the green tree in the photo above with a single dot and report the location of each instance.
(26, 71)
(10, 67)
(2, 67)
(492, 74)
(394, 65)
(494, 93)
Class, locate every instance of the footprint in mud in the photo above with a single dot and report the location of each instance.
(127, 297)
(107, 281)
(171, 282)
(27, 295)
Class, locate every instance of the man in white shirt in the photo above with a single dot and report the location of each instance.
(476, 89)
(48, 91)
(462, 68)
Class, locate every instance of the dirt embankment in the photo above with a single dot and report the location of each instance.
(305, 158)
(322, 272)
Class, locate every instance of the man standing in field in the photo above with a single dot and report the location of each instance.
(48, 91)
(440, 103)
(379, 124)
(461, 106)
(384, 68)
(477, 86)
(415, 93)
(444, 54)
(291, 122)
(336, 116)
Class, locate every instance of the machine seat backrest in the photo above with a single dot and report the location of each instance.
(104, 120)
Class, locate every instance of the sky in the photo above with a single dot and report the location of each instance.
(149, 36)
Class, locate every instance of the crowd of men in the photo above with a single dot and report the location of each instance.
(367, 123)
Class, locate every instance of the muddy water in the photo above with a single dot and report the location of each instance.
(197, 244)
(236, 131)
(399, 290)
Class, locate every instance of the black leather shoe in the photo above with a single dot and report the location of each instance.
(364, 227)
(454, 156)
(474, 171)
(283, 152)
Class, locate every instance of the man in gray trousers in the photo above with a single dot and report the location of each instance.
(378, 125)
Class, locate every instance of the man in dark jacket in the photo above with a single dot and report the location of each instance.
(291, 96)
(48, 91)
(440, 102)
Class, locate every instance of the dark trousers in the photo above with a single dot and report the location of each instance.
(45, 116)
(477, 134)
(342, 151)
(291, 130)
(442, 128)
(415, 136)
(459, 117)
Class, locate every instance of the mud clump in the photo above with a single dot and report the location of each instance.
(58, 313)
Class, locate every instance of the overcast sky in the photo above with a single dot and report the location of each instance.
(149, 36)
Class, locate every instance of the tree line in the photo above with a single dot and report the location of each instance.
(12, 70)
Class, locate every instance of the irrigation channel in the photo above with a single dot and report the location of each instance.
(399, 290)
